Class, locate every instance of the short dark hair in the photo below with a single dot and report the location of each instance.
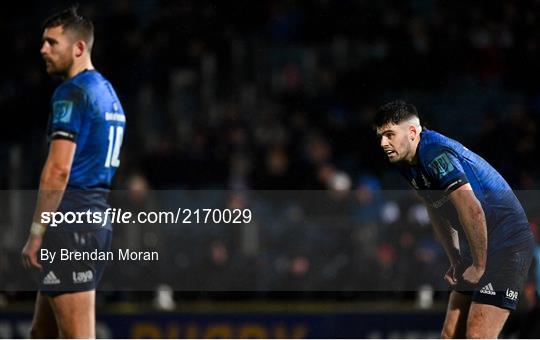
(71, 20)
(394, 112)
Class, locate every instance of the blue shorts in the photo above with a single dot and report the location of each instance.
(69, 274)
(503, 280)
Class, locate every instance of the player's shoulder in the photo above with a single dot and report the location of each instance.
(433, 138)
(88, 79)
(431, 141)
(434, 144)
(68, 90)
(91, 83)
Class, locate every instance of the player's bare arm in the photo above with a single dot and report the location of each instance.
(53, 182)
(473, 220)
(449, 239)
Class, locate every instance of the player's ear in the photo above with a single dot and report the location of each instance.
(413, 132)
(79, 48)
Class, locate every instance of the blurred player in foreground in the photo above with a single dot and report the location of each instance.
(467, 200)
(85, 130)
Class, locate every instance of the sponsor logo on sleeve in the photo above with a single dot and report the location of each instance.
(62, 111)
(441, 165)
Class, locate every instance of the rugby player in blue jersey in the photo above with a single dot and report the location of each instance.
(86, 127)
(476, 217)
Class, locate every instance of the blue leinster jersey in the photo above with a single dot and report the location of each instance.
(86, 110)
(444, 165)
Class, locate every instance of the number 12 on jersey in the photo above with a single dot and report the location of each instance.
(116, 134)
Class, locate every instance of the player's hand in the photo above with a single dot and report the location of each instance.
(473, 274)
(30, 250)
(450, 276)
(456, 268)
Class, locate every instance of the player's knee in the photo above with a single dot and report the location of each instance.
(446, 334)
(475, 333)
(77, 334)
(76, 330)
(450, 333)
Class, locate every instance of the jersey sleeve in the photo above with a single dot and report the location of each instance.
(444, 168)
(68, 105)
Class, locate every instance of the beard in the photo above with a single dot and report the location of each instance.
(59, 67)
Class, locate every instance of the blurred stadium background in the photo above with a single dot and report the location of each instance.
(226, 100)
